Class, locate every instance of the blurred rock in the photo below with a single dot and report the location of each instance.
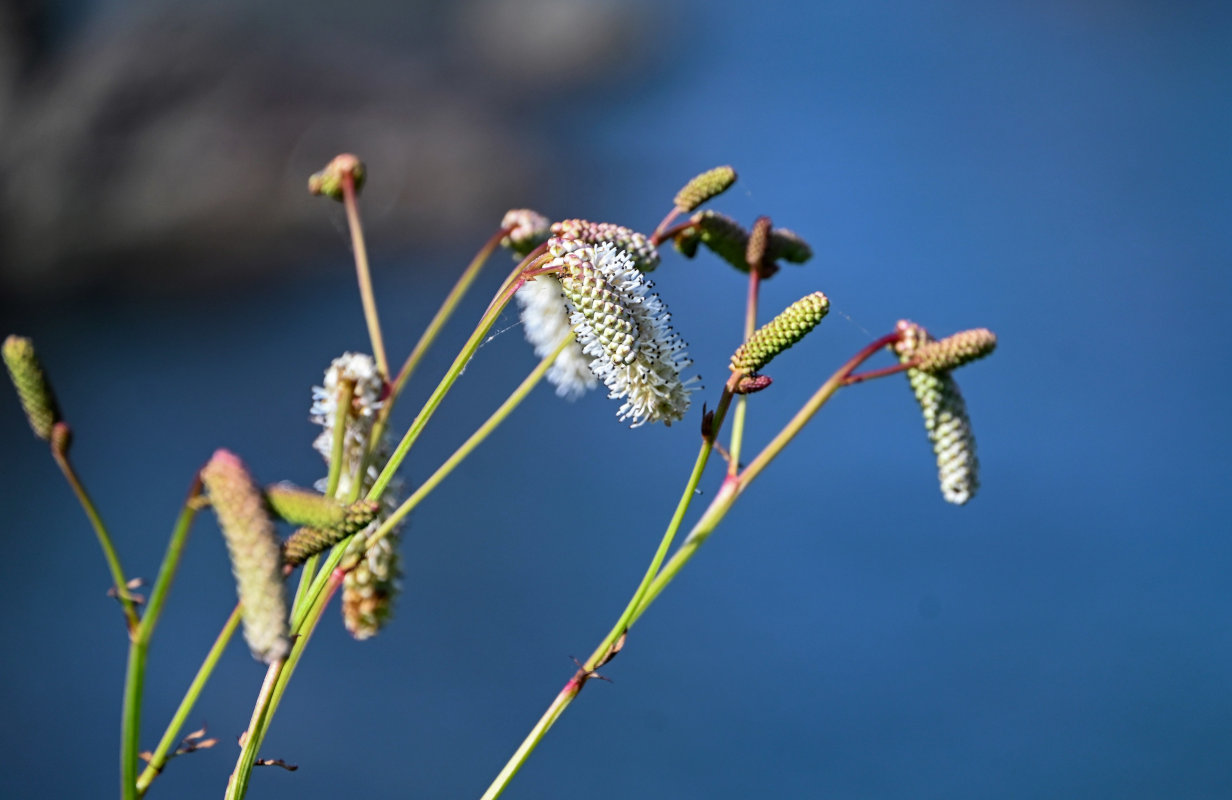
(169, 145)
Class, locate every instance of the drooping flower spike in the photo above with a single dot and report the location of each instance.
(945, 417)
(638, 246)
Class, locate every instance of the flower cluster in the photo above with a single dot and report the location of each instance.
(369, 589)
(624, 328)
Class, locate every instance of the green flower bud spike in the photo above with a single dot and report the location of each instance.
(708, 185)
(780, 333)
(308, 541)
(644, 254)
(32, 387)
(328, 181)
(954, 351)
(945, 418)
(255, 557)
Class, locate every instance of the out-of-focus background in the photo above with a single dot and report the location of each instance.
(1057, 171)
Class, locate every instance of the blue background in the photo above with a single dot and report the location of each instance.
(1056, 171)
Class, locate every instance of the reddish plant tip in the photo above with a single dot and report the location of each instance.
(751, 384)
(330, 181)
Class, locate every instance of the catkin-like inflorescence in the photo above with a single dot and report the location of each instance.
(954, 351)
(369, 588)
(31, 384)
(755, 251)
(728, 239)
(546, 323)
(528, 230)
(725, 237)
(644, 254)
(624, 328)
(309, 541)
(945, 418)
(328, 182)
(304, 506)
(780, 333)
(704, 187)
(255, 557)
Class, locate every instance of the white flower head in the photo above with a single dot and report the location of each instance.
(624, 328)
(359, 370)
(546, 323)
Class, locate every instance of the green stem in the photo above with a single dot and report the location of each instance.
(138, 648)
(459, 363)
(104, 539)
(130, 725)
(732, 488)
(482, 432)
(750, 325)
(446, 310)
(237, 785)
(159, 758)
(363, 273)
(612, 643)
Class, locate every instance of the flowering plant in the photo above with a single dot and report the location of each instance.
(592, 317)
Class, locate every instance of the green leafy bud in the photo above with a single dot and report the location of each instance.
(32, 387)
(329, 181)
(255, 557)
(709, 184)
(954, 351)
(945, 418)
(780, 333)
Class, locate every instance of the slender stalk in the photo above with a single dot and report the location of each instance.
(733, 487)
(104, 539)
(750, 325)
(237, 785)
(363, 273)
(442, 388)
(139, 646)
(611, 644)
(159, 758)
(482, 432)
(660, 232)
(446, 310)
(130, 725)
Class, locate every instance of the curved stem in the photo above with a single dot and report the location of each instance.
(750, 325)
(104, 539)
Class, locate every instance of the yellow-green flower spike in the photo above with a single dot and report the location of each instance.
(32, 387)
(725, 237)
(329, 180)
(780, 333)
(706, 186)
(256, 559)
(644, 254)
(369, 589)
(308, 541)
(945, 418)
(954, 351)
